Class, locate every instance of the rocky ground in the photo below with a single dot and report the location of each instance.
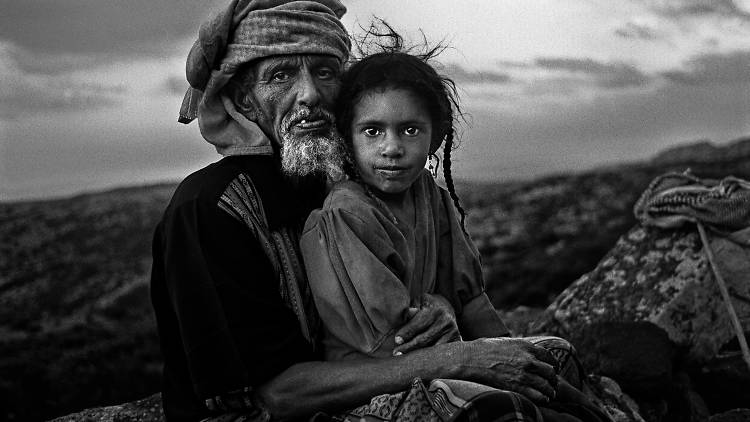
(76, 326)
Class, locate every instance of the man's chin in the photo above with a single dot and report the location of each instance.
(313, 154)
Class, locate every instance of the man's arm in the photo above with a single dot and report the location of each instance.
(510, 364)
(227, 328)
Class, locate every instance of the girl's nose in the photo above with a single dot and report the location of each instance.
(391, 146)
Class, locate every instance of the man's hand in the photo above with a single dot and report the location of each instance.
(434, 322)
(511, 364)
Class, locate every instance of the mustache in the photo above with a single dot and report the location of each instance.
(306, 113)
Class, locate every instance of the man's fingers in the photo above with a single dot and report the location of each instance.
(533, 387)
(534, 395)
(543, 354)
(539, 384)
(542, 369)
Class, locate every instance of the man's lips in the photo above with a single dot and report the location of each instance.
(311, 124)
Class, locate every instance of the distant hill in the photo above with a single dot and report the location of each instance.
(76, 325)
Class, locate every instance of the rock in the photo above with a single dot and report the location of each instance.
(724, 382)
(685, 404)
(613, 400)
(661, 277)
(705, 152)
(148, 409)
(519, 319)
(638, 355)
(734, 415)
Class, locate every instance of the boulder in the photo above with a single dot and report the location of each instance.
(638, 355)
(148, 409)
(734, 415)
(660, 277)
(724, 382)
(619, 406)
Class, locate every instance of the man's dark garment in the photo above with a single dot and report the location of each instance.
(227, 285)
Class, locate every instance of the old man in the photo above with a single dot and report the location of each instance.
(235, 317)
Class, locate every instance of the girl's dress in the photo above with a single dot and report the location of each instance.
(365, 269)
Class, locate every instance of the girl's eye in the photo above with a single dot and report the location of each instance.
(371, 131)
(411, 131)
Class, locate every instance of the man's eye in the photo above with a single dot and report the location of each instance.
(326, 73)
(371, 131)
(280, 76)
(411, 131)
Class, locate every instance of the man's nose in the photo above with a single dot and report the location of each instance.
(308, 92)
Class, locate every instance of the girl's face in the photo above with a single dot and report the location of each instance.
(391, 134)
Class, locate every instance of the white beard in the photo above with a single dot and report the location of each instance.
(314, 153)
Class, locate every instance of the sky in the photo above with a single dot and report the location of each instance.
(90, 89)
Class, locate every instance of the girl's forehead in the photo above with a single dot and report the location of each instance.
(391, 99)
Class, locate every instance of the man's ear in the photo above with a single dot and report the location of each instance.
(243, 101)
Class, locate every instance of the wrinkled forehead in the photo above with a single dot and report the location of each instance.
(296, 61)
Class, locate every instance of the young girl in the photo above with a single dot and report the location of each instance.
(390, 234)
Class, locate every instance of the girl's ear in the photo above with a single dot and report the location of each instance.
(440, 132)
(437, 140)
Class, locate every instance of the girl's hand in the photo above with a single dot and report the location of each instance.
(434, 322)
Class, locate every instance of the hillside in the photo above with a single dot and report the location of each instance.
(77, 328)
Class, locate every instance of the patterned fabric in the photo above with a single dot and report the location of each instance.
(455, 400)
(445, 400)
(237, 406)
(568, 366)
(241, 201)
(675, 198)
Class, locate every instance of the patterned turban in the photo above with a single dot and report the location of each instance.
(247, 30)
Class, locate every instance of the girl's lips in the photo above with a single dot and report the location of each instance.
(392, 171)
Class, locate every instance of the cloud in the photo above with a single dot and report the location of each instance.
(553, 79)
(536, 136)
(713, 68)
(461, 74)
(678, 9)
(112, 27)
(639, 31)
(176, 85)
(44, 63)
(25, 90)
(605, 75)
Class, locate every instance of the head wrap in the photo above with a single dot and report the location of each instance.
(247, 30)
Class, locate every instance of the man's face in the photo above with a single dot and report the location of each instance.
(293, 101)
(294, 94)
